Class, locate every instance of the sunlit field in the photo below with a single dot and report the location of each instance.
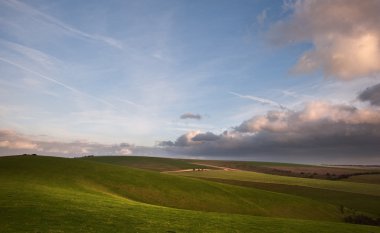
(46, 194)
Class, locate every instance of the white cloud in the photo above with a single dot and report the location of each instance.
(314, 113)
(18, 145)
(12, 142)
(345, 36)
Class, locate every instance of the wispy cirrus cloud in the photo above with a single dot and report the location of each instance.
(130, 103)
(259, 100)
(39, 15)
(262, 17)
(29, 55)
(64, 85)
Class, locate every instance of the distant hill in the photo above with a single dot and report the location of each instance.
(148, 163)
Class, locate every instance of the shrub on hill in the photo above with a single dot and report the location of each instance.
(362, 219)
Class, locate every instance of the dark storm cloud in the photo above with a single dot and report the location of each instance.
(189, 139)
(205, 137)
(371, 94)
(319, 131)
(165, 143)
(191, 116)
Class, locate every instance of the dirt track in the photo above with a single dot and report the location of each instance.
(204, 169)
(221, 168)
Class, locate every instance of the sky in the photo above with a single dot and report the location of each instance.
(294, 81)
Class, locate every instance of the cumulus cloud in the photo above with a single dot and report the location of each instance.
(321, 131)
(189, 139)
(18, 145)
(12, 142)
(9, 139)
(165, 143)
(345, 36)
(313, 115)
(191, 116)
(204, 137)
(186, 139)
(371, 94)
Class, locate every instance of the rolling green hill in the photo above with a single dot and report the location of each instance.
(148, 163)
(282, 169)
(354, 201)
(295, 170)
(371, 179)
(352, 187)
(46, 194)
(160, 189)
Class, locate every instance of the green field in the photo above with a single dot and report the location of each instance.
(372, 179)
(351, 187)
(282, 169)
(294, 170)
(46, 194)
(313, 190)
(148, 163)
(361, 202)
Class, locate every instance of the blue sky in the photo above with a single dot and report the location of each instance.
(110, 72)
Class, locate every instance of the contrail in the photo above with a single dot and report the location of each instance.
(260, 100)
(50, 19)
(130, 102)
(56, 82)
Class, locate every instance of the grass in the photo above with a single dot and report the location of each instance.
(371, 179)
(160, 189)
(248, 164)
(293, 170)
(54, 210)
(148, 163)
(360, 202)
(45, 194)
(282, 169)
(360, 188)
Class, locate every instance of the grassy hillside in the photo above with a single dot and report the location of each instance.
(282, 169)
(371, 179)
(45, 194)
(160, 189)
(43, 209)
(294, 170)
(148, 163)
(360, 188)
(360, 202)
